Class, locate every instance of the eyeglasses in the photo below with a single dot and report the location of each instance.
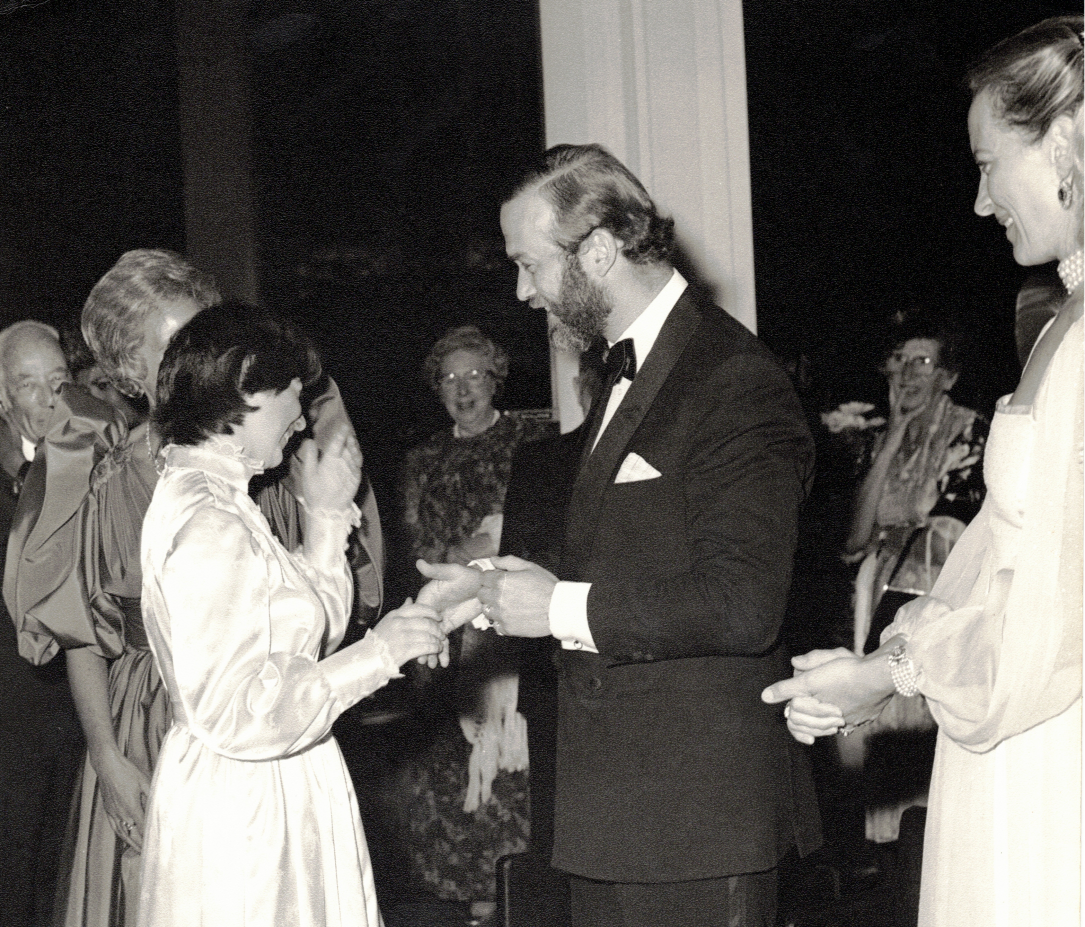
(922, 364)
(472, 377)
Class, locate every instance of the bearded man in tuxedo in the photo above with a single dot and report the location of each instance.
(678, 791)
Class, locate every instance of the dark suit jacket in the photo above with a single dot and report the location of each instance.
(670, 767)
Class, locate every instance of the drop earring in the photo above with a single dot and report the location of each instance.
(1066, 192)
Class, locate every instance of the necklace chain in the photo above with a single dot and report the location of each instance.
(150, 451)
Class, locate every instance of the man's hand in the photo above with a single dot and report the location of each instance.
(516, 596)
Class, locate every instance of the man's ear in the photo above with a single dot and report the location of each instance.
(599, 252)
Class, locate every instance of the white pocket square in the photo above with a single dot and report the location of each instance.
(635, 468)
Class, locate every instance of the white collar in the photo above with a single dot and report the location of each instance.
(645, 328)
(29, 447)
(220, 455)
(456, 433)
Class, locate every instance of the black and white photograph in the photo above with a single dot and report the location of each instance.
(539, 463)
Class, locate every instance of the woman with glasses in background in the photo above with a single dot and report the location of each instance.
(464, 812)
(924, 480)
(923, 484)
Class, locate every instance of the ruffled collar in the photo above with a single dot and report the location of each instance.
(220, 455)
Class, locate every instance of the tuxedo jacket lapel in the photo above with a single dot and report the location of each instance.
(598, 467)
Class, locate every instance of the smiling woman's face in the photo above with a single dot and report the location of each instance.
(1018, 183)
(467, 390)
(914, 371)
(267, 429)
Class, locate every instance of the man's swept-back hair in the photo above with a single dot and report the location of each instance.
(589, 188)
(140, 283)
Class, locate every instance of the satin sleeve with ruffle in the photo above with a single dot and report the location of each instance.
(43, 586)
(998, 650)
(240, 624)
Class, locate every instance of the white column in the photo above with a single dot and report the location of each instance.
(663, 86)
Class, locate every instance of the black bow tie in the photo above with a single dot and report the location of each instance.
(621, 361)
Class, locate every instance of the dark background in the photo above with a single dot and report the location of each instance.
(384, 129)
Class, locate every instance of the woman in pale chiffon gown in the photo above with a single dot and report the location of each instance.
(996, 646)
(253, 819)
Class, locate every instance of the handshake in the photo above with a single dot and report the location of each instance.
(509, 594)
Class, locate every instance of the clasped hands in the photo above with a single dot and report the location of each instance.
(832, 691)
(514, 596)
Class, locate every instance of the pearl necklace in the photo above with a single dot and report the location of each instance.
(1072, 270)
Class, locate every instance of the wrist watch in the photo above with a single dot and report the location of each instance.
(902, 671)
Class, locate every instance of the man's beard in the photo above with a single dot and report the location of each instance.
(581, 312)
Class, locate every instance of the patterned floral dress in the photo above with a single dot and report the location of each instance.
(450, 486)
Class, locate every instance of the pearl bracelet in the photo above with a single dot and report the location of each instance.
(902, 671)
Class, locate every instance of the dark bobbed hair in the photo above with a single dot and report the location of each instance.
(141, 283)
(222, 355)
(943, 331)
(1035, 76)
(589, 188)
(466, 338)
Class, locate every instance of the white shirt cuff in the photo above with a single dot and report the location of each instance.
(569, 616)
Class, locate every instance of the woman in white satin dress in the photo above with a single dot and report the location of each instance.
(253, 818)
(996, 647)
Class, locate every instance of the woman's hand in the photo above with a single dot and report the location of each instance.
(899, 417)
(476, 547)
(125, 789)
(831, 690)
(330, 480)
(863, 532)
(452, 590)
(125, 794)
(807, 719)
(412, 631)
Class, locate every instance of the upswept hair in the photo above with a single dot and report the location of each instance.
(589, 188)
(139, 284)
(9, 336)
(466, 338)
(1035, 76)
(222, 355)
